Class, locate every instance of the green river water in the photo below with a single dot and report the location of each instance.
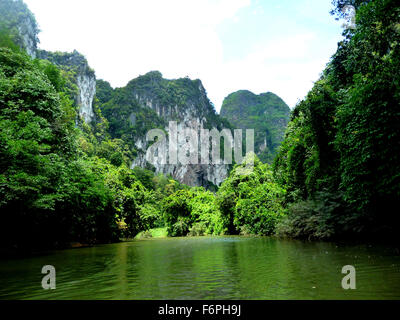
(207, 268)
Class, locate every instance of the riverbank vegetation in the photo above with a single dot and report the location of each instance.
(53, 191)
(337, 173)
(340, 160)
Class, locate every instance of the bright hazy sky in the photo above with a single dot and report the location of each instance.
(258, 45)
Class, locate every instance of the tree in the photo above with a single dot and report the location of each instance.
(252, 203)
(341, 147)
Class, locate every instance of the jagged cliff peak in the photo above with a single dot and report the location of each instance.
(151, 101)
(82, 75)
(172, 99)
(73, 59)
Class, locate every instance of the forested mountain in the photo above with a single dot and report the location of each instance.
(81, 79)
(266, 113)
(149, 102)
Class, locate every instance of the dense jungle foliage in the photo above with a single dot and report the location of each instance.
(60, 183)
(340, 160)
(337, 172)
(52, 192)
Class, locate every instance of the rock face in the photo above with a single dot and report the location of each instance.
(87, 89)
(266, 113)
(82, 75)
(22, 27)
(189, 106)
(181, 101)
(21, 24)
(27, 30)
(205, 175)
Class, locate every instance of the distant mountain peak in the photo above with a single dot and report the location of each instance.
(266, 113)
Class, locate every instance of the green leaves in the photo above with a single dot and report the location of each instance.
(343, 138)
(193, 210)
(251, 204)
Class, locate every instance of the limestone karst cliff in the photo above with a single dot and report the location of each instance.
(18, 20)
(149, 102)
(80, 74)
(266, 113)
(20, 24)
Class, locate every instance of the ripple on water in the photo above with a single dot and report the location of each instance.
(207, 268)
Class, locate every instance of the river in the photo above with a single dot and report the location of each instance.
(227, 267)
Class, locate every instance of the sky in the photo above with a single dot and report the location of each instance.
(280, 46)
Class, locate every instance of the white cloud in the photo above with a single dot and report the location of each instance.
(123, 39)
(286, 67)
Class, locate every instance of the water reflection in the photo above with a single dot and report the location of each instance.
(207, 268)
